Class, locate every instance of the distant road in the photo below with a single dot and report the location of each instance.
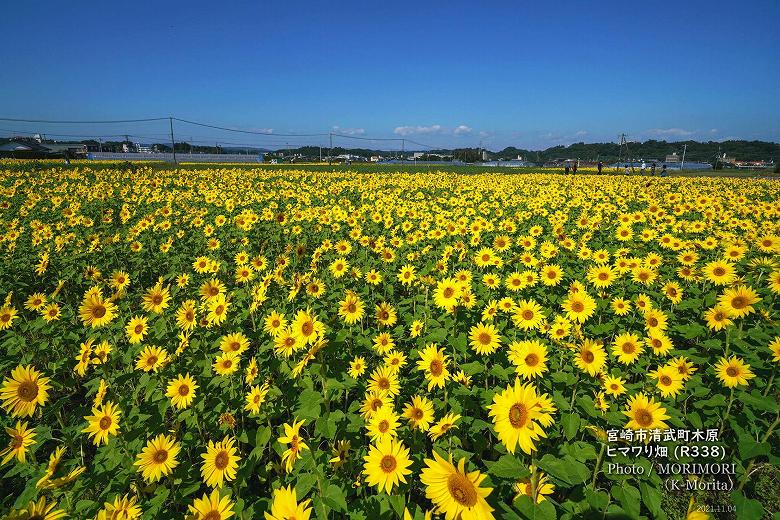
(180, 157)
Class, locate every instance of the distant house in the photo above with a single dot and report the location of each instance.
(674, 158)
(74, 149)
(30, 149)
(16, 146)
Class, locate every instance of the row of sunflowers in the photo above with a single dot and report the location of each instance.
(242, 343)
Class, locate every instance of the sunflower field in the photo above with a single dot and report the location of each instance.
(245, 343)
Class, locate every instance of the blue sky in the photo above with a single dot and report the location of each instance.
(528, 74)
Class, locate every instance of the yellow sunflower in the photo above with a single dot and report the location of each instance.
(122, 508)
(433, 363)
(226, 363)
(274, 323)
(158, 458)
(383, 425)
(579, 306)
(151, 358)
(351, 309)
(719, 272)
(525, 487)
(236, 342)
(386, 465)
(295, 442)
(306, 327)
(95, 311)
(219, 462)
(527, 315)
(627, 348)
(103, 422)
(718, 317)
(446, 294)
(156, 299)
(484, 339)
(590, 357)
(668, 380)
(181, 391)
(529, 358)
(211, 507)
(285, 506)
(644, 413)
(739, 300)
(136, 329)
(614, 386)
(733, 372)
(774, 347)
(24, 391)
(443, 425)
(455, 493)
(518, 414)
(419, 413)
(256, 397)
(21, 439)
(384, 379)
(40, 510)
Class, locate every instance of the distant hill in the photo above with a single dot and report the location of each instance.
(607, 152)
(237, 149)
(652, 149)
(739, 150)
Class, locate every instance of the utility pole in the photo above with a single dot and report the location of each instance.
(330, 161)
(320, 153)
(403, 148)
(173, 141)
(682, 163)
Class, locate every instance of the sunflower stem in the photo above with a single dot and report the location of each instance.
(574, 393)
(728, 409)
(534, 481)
(766, 436)
(324, 380)
(598, 466)
(769, 384)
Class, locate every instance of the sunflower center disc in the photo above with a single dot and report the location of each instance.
(518, 415)
(161, 456)
(28, 391)
(388, 463)
(221, 460)
(462, 490)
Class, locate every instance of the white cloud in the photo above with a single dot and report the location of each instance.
(462, 130)
(417, 130)
(349, 131)
(263, 130)
(675, 132)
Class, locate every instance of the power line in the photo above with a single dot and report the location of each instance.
(58, 135)
(83, 122)
(269, 135)
(425, 145)
(245, 131)
(152, 137)
(369, 138)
